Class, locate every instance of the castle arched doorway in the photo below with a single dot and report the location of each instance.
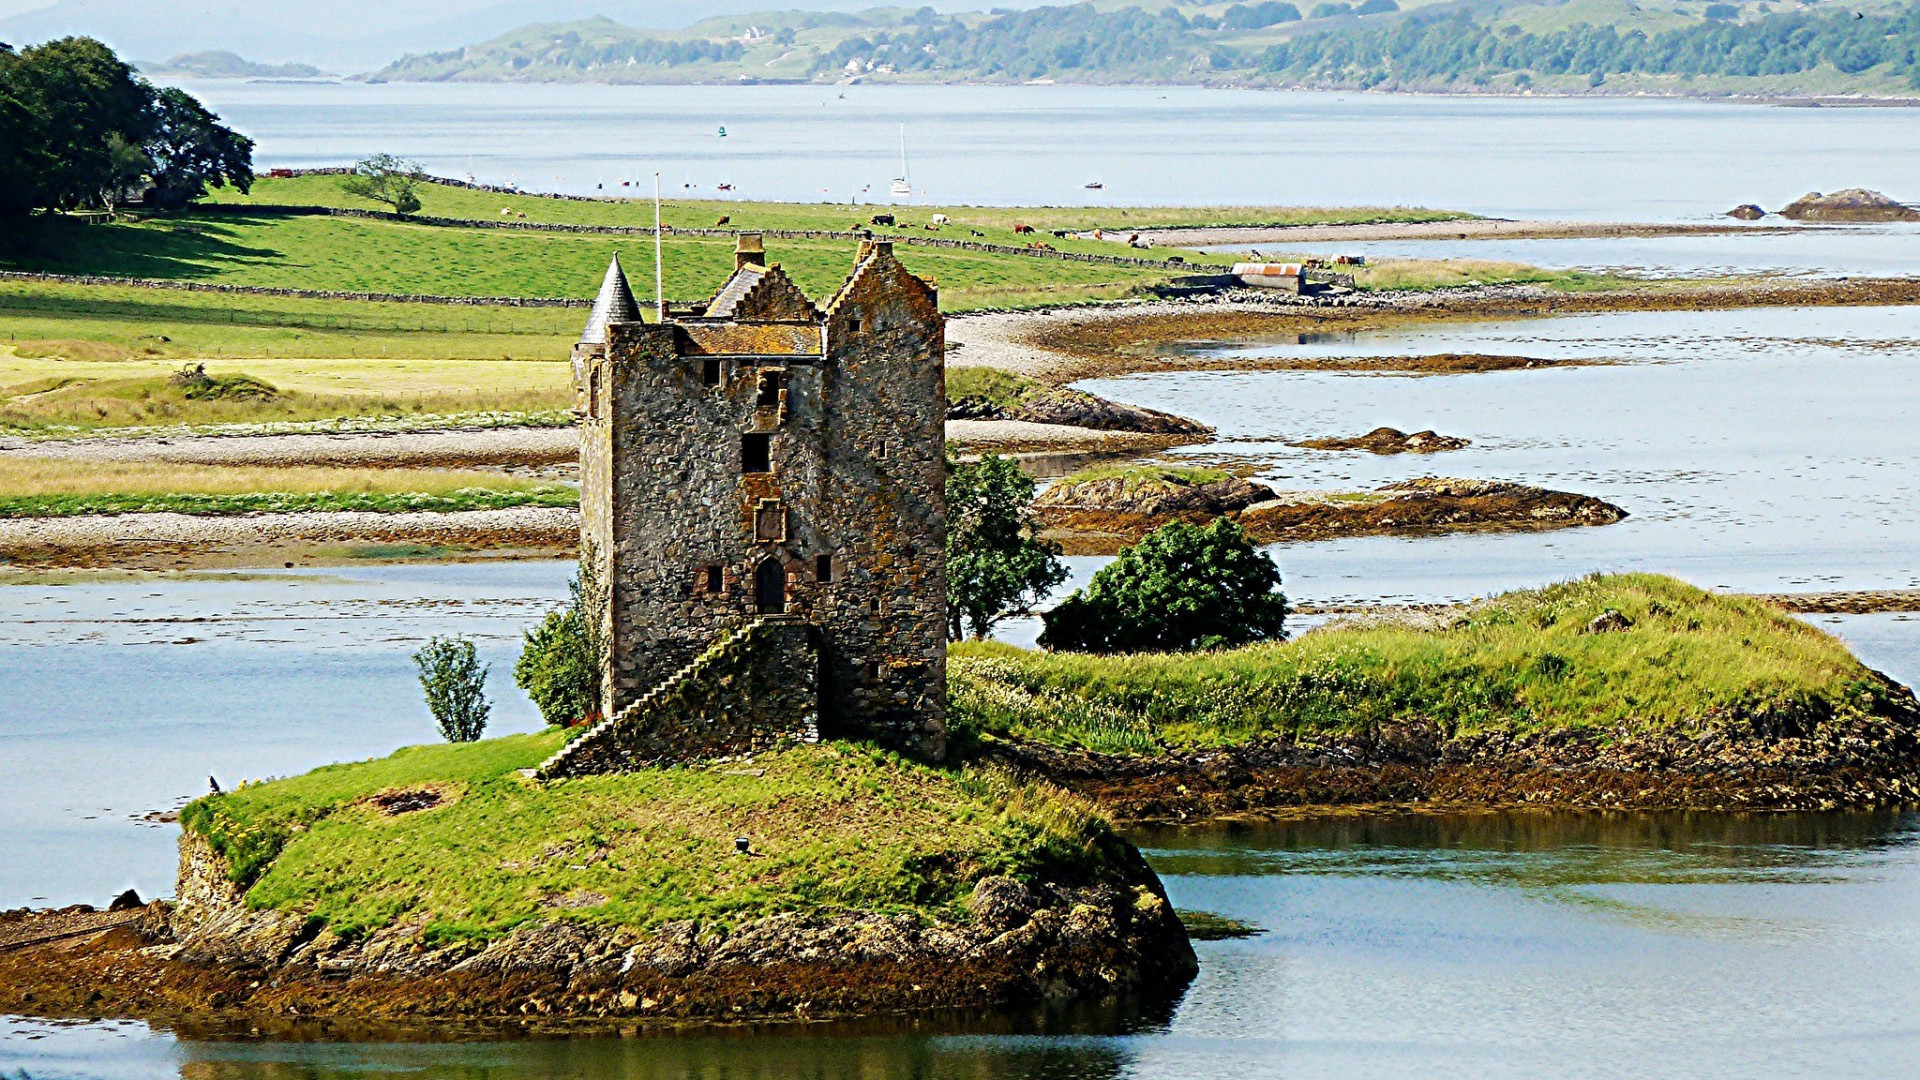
(770, 588)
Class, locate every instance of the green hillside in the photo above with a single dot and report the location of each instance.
(1691, 46)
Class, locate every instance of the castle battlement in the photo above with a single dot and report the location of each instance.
(760, 456)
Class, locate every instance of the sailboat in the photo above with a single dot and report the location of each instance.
(902, 186)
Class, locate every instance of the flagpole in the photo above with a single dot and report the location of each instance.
(659, 260)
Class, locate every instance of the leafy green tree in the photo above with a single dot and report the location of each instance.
(995, 565)
(1183, 587)
(559, 666)
(85, 109)
(455, 682)
(190, 151)
(384, 178)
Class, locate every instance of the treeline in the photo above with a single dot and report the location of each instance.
(1417, 48)
(1026, 44)
(568, 50)
(1455, 48)
(80, 129)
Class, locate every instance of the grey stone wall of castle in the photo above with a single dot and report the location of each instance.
(751, 690)
(760, 455)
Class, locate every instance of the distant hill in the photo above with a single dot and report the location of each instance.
(1483, 46)
(226, 65)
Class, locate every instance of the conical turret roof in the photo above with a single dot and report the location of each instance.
(615, 304)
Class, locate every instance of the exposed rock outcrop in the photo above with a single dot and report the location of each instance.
(1386, 440)
(1074, 408)
(1853, 204)
(1101, 516)
(1747, 212)
(210, 955)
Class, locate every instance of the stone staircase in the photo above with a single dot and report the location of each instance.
(769, 670)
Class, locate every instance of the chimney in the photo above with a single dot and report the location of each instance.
(749, 250)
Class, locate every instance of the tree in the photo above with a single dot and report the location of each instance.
(384, 178)
(455, 682)
(1183, 587)
(559, 666)
(84, 109)
(79, 128)
(995, 565)
(191, 150)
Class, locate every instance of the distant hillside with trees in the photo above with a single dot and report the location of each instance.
(79, 129)
(1505, 46)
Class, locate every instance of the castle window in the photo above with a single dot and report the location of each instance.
(715, 580)
(823, 569)
(756, 453)
(771, 383)
(769, 522)
(593, 393)
(853, 325)
(710, 373)
(873, 671)
(770, 588)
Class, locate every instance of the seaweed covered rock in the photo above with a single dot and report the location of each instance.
(1853, 204)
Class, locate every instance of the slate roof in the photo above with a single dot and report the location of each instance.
(614, 304)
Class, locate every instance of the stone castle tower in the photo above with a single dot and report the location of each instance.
(762, 514)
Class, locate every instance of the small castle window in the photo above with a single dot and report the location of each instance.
(710, 373)
(771, 383)
(756, 453)
(715, 579)
(873, 671)
(593, 394)
(853, 325)
(823, 569)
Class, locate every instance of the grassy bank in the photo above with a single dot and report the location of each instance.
(48, 394)
(443, 200)
(834, 828)
(51, 487)
(358, 255)
(1686, 663)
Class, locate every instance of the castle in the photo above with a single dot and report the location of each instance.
(762, 515)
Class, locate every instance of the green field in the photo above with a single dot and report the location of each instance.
(1690, 663)
(835, 828)
(55, 487)
(636, 211)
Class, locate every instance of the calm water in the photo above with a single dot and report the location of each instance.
(1767, 450)
(1890, 250)
(1761, 450)
(1603, 159)
(1472, 946)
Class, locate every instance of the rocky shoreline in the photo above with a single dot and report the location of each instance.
(1865, 763)
(208, 956)
(1099, 517)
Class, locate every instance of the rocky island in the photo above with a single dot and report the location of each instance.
(1100, 510)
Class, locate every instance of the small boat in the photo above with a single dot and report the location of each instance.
(902, 186)
(723, 132)
(725, 187)
(1095, 186)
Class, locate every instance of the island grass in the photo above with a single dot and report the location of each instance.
(56, 487)
(449, 201)
(1690, 663)
(833, 828)
(990, 385)
(1146, 477)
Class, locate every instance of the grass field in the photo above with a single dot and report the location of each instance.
(834, 827)
(442, 200)
(60, 388)
(1689, 663)
(53, 487)
(358, 255)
